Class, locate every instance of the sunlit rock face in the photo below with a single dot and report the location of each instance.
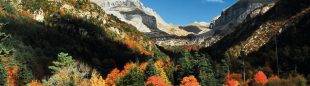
(234, 15)
(237, 13)
(149, 22)
(144, 19)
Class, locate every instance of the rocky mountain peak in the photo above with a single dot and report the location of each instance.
(110, 4)
(145, 19)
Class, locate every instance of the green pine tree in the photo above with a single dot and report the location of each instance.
(63, 60)
(134, 77)
(24, 75)
(150, 70)
(3, 75)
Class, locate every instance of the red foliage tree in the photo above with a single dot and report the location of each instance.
(260, 77)
(127, 67)
(189, 81)
(232, 82)
(112, 77)
(232, 79)
(155, 81)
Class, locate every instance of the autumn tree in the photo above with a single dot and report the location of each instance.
(160, 67)
(97, 80)
(127, 68)
(260, 77)
(189, 81)
(232, 82)
(35, 83)
(112, 77)
(155, 81)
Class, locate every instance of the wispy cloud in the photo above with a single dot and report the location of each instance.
(214, 1)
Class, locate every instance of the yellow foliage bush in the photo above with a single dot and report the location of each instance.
(96, 80)
(159, 65)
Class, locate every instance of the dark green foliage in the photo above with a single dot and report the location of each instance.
(185, 66)
(206, 73)
(150, 70)
(63, 60)
(82, 1)
(24, 75)
(3, 75)
(7, 7)
(224, 68)
(197, 65)
(11, 48)
(134, 77)
(169, 72)
(35, 4)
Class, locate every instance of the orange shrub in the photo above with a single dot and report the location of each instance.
(34, 83)
(159, 65)
(127, 67)
(12, 73)
(155, 81)
(143, 66)
(232, 79)
(232, 82)
(62, 12)
(189, 81)
(260, 77)
(129, 43)
(112, 77)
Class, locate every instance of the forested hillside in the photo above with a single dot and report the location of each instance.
(75, 43)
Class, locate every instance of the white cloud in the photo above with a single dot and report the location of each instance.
(216, 1)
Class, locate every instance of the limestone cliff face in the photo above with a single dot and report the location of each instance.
(144, 19)
(269, 36)
(150, 23)
(237, 13)
(230, 18)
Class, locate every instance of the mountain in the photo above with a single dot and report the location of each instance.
(207, 34)
(43, 29)
(144, 19)
(78, 43)
(149, 22)
(276, 38)
(233, 16)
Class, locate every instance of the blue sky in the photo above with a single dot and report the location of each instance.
(182, 12)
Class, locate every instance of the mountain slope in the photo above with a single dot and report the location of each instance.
(81, 29)
(233, 16)
(254, 40)
(145, 19)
